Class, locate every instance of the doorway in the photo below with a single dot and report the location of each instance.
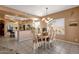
(1, 28)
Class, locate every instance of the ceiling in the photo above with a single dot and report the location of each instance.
(40, 10)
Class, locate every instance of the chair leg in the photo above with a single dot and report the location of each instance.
(35, 47)
(48, 44)
(44, 45)
(51, 43)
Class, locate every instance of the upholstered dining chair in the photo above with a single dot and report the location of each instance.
(49, 39)
(36, 41)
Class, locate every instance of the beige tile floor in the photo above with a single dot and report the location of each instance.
(21, 46)
(26, 47)
(4, 50)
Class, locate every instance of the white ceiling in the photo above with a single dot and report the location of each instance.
(39, 10)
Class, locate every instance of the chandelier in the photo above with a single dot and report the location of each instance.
(46, 19)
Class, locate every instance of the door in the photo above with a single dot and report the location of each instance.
(1, 28)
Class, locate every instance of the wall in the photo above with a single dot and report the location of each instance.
(70, 15)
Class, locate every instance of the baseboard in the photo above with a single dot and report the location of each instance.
(69, 42)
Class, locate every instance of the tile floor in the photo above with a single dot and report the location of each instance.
(11, 46)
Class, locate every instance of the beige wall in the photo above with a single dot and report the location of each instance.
(71, 32)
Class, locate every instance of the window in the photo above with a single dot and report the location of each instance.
(58, 25)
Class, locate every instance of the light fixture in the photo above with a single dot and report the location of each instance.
(46, 19)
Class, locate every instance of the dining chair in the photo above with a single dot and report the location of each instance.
(50, 38)
(36, 42)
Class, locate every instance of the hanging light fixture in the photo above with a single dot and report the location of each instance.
(46, 19)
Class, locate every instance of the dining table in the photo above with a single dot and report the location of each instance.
(44, 39)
